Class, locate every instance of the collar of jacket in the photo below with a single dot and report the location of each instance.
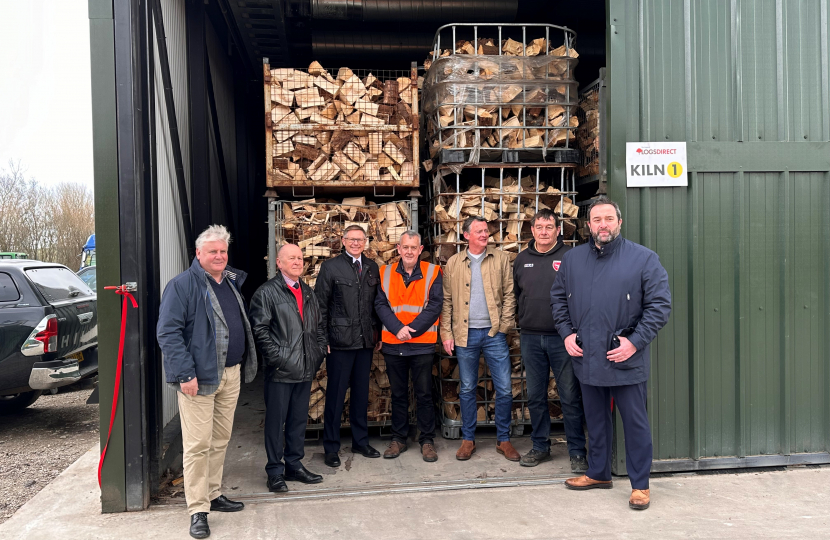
(283, 283)
(237, 276)
(348, 258)
(416, 272)
(607, 249)
(531, 248)
(489, 251)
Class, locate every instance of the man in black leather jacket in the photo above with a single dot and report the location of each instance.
(346, 288)
(286, 323)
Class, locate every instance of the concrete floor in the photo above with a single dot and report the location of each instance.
(245, 463)
(484, 498)
(757, 505)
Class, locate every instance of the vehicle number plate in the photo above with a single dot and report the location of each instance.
(79, 356)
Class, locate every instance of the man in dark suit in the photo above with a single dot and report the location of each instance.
(346, 288)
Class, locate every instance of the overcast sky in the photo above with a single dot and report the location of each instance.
(45, 103)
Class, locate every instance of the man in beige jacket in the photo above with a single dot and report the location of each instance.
(479, 308)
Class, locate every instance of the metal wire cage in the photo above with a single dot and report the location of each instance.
(508, 204)
(587, 133)
(317, 227)
(508, 100)
(349, 128)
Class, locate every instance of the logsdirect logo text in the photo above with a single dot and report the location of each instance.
(656, 151)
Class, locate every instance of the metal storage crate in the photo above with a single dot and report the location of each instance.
(507, 204)
(307, 148)
(318, 229)
(592, 132)
(488, 103)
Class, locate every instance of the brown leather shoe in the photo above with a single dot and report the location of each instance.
(394, 450)
(428, 452)
(640, 499)
(583, 482)
(506, 448)
(466, 451)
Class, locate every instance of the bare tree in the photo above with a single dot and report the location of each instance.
(50, 224)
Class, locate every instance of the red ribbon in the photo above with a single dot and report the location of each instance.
(121, 290)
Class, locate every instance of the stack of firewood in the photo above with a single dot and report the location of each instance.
(509, 47)
(587, 135)
(316, 225)
(448, 371)
(380, 394)
(340, 130)
(521, 99)
(508, 212)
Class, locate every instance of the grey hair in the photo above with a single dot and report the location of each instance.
(602, 199)
(469, 222)
(212, 234)
(411, 234)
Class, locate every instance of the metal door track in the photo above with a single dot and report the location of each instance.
(384, 489)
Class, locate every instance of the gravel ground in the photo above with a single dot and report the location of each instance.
(39, 442)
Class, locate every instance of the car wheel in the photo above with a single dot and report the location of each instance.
(15, 402)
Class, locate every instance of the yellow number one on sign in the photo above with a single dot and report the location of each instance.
(675, 169)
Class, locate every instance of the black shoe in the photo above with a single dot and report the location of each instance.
(303, 475)
(276, 484)
(332, 459)
(534, 457)
(199, 525)
(579, 464)
(224, 504)
(365, 451)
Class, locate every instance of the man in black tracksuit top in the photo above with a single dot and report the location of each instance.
(543, 349)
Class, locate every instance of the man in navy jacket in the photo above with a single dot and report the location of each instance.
(208, 348)
(609, 300)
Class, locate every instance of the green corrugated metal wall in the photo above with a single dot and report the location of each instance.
(743, 367)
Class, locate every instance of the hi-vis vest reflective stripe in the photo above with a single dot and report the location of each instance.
(408, 302)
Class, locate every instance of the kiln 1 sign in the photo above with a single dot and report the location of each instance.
(655, 164)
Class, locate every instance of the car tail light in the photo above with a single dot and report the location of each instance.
(43, 339)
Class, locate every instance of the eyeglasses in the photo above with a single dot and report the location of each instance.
(354, 240)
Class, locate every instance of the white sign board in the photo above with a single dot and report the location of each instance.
(656, 164)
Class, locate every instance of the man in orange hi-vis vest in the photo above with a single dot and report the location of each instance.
(408, 302)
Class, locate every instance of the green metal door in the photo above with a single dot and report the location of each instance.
(741, 374)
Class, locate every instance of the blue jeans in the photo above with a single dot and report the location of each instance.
(541, 354)
(497, 356)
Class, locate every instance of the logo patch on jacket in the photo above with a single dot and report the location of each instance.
(556, 265)
(529, 265)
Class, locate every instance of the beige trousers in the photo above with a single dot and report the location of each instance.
(206, 429)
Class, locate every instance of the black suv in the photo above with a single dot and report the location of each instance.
(48, 330)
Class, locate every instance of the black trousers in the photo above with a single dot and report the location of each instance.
(631, 402)
(286, 415)
(347, 369)
(398, 367)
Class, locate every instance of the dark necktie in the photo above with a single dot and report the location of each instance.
(359, 267)
(297, 285)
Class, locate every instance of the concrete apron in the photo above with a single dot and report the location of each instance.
(245, 477)
(789, 504)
